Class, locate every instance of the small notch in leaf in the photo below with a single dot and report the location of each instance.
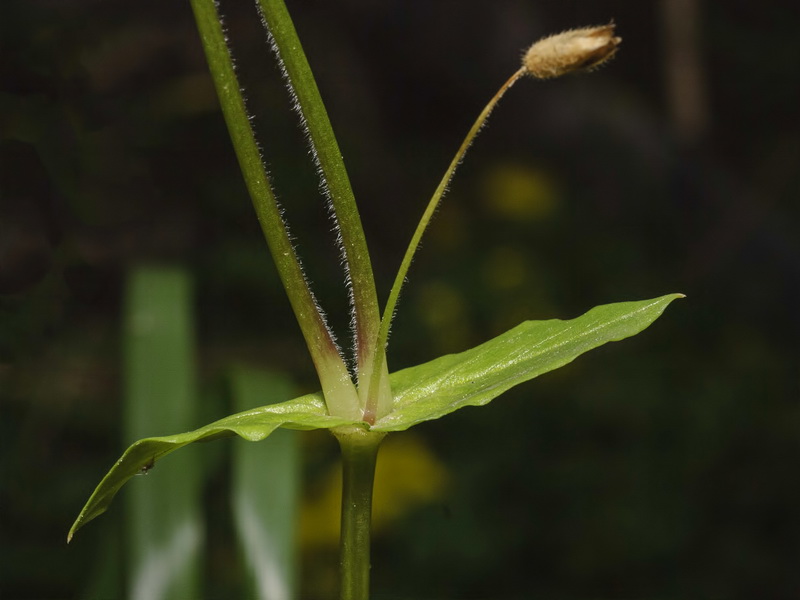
(145, 468)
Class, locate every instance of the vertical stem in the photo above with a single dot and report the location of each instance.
(359, 455)
(340, 394)
(325, 149)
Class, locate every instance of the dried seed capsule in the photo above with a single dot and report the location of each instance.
(571, 50)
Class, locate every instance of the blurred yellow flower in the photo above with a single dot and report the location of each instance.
(519, 193)
(408, 475)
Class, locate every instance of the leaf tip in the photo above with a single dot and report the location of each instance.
(74, 529)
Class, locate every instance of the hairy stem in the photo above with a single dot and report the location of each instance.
(359, 455)
(340, 394)
(336, 185)
(391, 303)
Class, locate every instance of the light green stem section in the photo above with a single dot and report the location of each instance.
(340, 394)
(391, 303)
(359, 455)
(325, 148)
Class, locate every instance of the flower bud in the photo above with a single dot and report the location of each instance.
(571, 50)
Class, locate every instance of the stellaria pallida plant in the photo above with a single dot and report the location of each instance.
(361, 410)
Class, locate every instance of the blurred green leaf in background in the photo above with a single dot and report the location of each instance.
(164, 528)
(266, 492)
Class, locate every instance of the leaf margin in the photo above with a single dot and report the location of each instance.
(407, 402)
(303, 413)
(309, 411)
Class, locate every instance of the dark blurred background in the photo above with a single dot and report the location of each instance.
(664, 467)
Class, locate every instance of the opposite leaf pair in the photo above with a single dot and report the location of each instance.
(427, 391)
(379, 403)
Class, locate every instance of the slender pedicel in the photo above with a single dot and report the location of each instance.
(553, 56)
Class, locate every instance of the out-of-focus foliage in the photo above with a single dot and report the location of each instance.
(163, 522)
(265, 494)
(662, 469)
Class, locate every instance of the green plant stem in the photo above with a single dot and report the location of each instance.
(394, 294)
(340, 394)
(359, 455)
(364, 298)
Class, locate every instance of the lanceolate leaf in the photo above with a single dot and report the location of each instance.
(421, 393)
(306, 412)
(477, 376)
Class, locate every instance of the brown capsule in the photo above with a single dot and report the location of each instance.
(570, 51)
